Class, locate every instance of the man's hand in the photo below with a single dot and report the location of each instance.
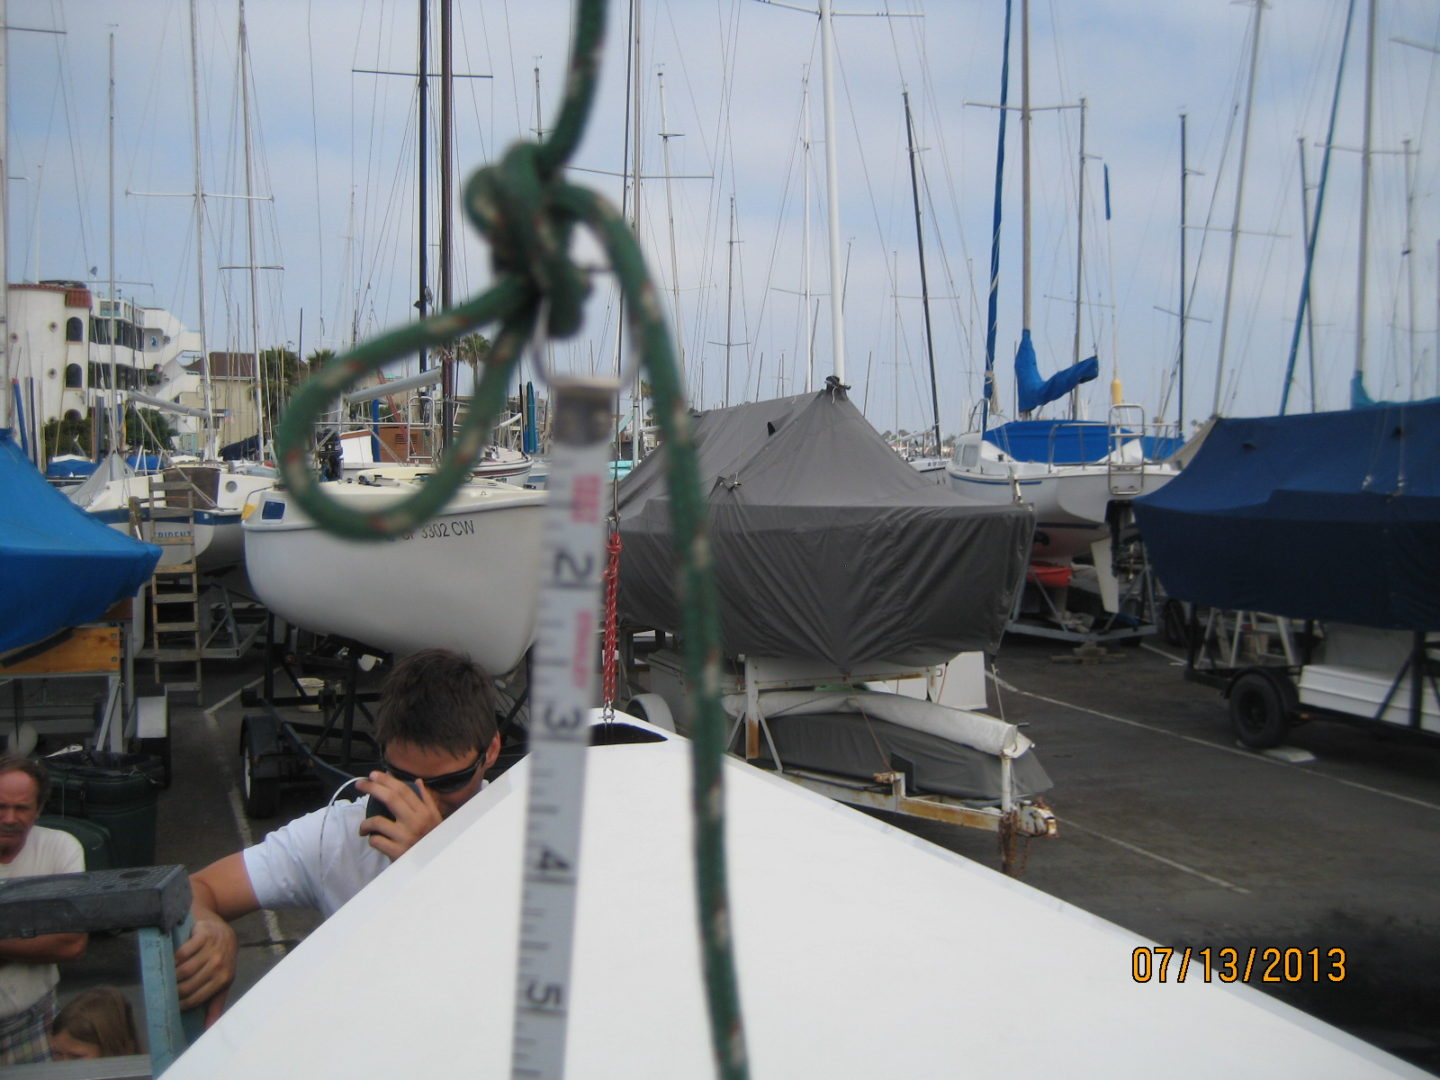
(415, 814)
(205, 965)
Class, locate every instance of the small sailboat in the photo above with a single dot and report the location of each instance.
(1073, 471)
(464, 580)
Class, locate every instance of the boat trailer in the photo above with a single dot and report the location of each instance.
(911, 734)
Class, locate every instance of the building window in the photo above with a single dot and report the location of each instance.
(74, 376)
(75, 329)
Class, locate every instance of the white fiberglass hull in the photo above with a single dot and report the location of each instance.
(216, 540)
(465, 580)
(861, 951)
(1070, 501)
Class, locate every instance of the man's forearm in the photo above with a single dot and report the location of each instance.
(44, 948)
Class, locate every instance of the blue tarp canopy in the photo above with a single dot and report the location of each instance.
(1320, 516)
(1071, 442)
(59, 567)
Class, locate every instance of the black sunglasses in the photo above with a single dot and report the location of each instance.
(444, 784)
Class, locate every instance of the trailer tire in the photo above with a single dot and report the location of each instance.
(651, 708)
(1260, 708)
(261, 794)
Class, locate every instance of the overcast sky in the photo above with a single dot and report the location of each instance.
(335, 158)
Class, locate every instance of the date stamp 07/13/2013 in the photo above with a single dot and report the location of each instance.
(1249, 964)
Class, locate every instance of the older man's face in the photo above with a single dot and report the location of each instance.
(19, 807)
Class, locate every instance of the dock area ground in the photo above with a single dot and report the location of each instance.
(1167, 828)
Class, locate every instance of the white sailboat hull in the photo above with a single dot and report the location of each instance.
(1070, 500)
(861, 951)
(465, 580)
(215, 541)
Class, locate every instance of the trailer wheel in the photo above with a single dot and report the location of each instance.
(261, 794)
(1260, 709)
(651, 708)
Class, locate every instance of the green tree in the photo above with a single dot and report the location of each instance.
(279, 375)
(148, 430)
(472, 348)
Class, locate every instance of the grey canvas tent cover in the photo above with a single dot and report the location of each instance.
(826, 544)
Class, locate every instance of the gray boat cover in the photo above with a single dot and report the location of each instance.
(848, 744)
(826, 544)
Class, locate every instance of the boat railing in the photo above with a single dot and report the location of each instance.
(1126, 477)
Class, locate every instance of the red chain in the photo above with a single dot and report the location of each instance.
(609, 654)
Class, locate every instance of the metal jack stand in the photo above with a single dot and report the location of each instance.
(154, 901)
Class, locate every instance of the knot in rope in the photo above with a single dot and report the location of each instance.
(516, 205)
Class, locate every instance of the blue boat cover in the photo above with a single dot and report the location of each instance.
(61, 567)
(69, 466)
(1070, 442)
(1032, 390)
(1318, 516)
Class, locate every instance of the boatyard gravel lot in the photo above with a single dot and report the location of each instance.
(1166, 828)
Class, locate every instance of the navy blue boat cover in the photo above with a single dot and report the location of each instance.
(826, 544)
(61, 567)
(1323, 515)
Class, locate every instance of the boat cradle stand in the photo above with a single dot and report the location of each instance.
(279, 749)
(1011, 817)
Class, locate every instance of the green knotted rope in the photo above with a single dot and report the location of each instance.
(528, 213)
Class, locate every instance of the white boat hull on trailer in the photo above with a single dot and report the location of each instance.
(465, 580)
(216, 541)
(1070, 501)
(861, 951)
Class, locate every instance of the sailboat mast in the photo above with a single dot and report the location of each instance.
(209, 449)
(729, 301)
(805, 237)
(1184, 180)
(447, 204)
(260, 374)
(117, 433)
(1309, 310)
(1239, 199)
(992, 304)
(1025, 164)
(924, 281)
(422, 304)
(1410, 268)
(1079, 260)
(1357, 393)
(832, 190)
(697, 391)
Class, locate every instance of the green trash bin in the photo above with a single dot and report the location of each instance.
(118, 791)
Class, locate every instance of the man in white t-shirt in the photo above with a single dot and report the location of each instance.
(28, 974)
(435, 724)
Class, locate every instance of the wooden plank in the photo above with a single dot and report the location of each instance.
(87, 649)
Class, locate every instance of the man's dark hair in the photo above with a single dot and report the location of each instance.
(439, 700)
(32, 768)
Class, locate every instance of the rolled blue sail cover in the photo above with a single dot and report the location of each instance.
(1035, 391)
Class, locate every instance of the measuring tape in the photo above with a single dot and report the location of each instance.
(562, 695)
